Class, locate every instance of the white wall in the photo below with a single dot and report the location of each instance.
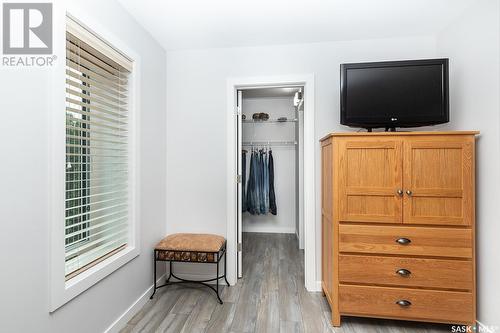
(472, 44)
(196, 115)
(24, 224)
(283, 157)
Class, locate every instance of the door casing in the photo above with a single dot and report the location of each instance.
(311, 146)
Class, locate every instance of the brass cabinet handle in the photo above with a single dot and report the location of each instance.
(400, 192)
(403, 272)
(403, 303)
(409, 192)
(403, 241)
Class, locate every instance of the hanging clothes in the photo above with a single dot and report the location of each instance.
(251, 186)
(272, 197)
(260, 196)
(257, 183)
(243, 181)
(266, 182)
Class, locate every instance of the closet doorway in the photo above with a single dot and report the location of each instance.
(270, 184)
(272, 152)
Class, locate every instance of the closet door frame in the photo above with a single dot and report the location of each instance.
(312, 280)
(240, 178)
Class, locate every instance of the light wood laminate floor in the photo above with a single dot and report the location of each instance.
(269, 298)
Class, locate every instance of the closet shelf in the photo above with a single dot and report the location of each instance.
(269, 143)
(270, 121)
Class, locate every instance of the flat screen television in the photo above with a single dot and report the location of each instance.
(394, 94)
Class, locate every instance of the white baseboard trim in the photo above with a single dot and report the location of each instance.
(270, 230)
(314, 287)
(301, 241)
(124, 318)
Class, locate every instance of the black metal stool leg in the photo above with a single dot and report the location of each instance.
(217, 280)
(154, 275)
(169, 273)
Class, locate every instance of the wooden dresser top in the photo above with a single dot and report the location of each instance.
(398, 133)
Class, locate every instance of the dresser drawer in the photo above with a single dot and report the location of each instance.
(411, 272)
(419, 241)
(424, 305)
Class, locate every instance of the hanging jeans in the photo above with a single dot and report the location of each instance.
(250, 186)
(260, 197)
(251, 195)
(243, 181)
(262, 204)
(272, 197)
(258, 182)
(266, 183)
(255, 183)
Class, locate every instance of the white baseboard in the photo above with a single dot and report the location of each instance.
(301, 240)
(124, 318)
(318, 286)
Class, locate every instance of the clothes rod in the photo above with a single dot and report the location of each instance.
(269, 121)
(269, 143)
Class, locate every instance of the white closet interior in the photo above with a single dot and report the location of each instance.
(284, 138)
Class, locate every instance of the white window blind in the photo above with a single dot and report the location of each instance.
(97, 155)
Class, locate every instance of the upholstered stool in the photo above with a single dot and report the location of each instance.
(194, 248)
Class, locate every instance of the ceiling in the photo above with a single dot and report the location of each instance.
(195, 24)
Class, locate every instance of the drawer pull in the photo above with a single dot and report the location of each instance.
(403, 241)
(403, 272)
(400, 192)
(403, 303)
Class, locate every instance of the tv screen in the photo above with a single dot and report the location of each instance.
(394, 94)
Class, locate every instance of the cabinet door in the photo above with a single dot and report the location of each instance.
(370, 178)
(438, 181)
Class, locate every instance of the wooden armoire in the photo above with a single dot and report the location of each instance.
(398, 225)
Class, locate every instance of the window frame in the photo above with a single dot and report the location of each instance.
(62, 291)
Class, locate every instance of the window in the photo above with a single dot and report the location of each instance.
(94, 168)
(97, 169)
